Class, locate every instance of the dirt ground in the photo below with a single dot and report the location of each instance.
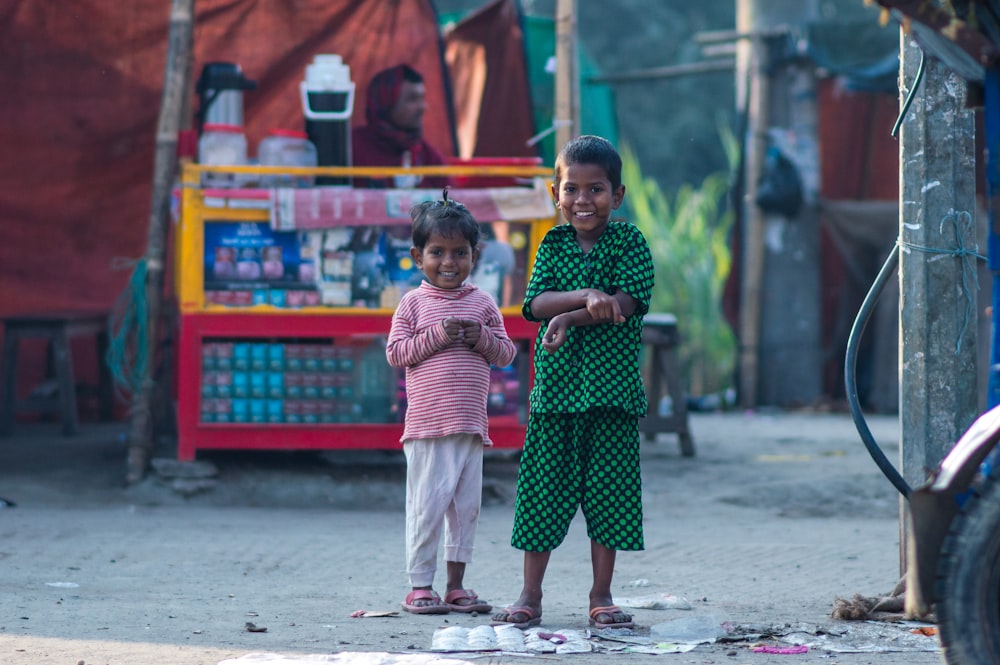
(777, 516)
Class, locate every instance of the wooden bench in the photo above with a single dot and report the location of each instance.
(660, 336)
(57, 329)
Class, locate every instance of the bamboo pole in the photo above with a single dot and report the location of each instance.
(567, 120)
(758, 119)
(669, 71)
(175, 84)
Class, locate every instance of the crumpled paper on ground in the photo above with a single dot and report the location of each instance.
(658, 602)
(480, 638)
(510, 639)
(866, 637)
(344, 658)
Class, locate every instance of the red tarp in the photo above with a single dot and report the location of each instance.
(82, 82)
(487, 63)
(860, 162)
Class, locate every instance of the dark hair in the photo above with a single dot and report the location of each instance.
(588, 149)
(410, 74)
(446, 217)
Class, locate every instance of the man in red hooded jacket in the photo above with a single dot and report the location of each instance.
(393, 135)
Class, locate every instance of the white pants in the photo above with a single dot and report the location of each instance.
(444, 484)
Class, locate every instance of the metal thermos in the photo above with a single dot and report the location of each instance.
(220, 94)
(328, 103)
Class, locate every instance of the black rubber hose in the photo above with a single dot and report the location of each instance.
(909, 98)
(850, 373)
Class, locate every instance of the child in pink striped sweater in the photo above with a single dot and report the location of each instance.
(447, 334)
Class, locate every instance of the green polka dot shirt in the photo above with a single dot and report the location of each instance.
(598, 366)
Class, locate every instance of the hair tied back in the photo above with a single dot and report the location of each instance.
(444, 196)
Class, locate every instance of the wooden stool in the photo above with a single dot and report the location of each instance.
(57, 329)
(659, 333)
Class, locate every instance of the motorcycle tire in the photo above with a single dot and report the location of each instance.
(967, 590)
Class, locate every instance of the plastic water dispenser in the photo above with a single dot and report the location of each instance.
(327, 104)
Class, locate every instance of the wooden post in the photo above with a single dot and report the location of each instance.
(175, 84)
(567, 120)
(751, 58)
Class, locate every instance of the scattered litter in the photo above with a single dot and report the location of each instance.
(750, 632)
(660, 602)
(63, 585)
(344, 658)
(619, 635)
(764, 648)
(925, 630)
(694, 629)
(658, 648)
(510, 639)
(638, 583)
(480, 638)
(568, 641)
(639, 644)
(866, 637)
(251, 627)
(357, 614)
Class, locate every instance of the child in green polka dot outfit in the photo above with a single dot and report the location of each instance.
(589, 288)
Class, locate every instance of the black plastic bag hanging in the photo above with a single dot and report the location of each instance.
(779, 189)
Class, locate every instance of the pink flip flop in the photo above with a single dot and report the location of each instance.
(611, 611)
(436, 606)
(473, 604)
(534, 618)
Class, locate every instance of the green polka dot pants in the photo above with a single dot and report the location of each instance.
(590, 460)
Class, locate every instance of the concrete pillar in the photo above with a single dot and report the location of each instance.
(780, 360)
(938, 397)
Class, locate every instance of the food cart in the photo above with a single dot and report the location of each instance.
(286, 295)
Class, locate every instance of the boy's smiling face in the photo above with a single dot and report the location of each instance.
(586, 200)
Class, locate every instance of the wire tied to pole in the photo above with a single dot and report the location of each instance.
(963, 227)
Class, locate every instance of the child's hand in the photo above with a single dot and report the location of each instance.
(556, 334)
(453, 328)
(471, 331)
(604, 307)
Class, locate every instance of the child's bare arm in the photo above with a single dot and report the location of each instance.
(557, 331)
(548, 304)
(598, 306)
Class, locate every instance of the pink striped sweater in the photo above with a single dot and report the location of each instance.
(447, 383)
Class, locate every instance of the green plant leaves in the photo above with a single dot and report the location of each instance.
(688, 240)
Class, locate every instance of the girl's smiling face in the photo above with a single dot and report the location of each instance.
(586, 199)
(445, 260)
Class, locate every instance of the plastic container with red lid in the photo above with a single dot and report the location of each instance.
(221, 145)
(286, 147)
